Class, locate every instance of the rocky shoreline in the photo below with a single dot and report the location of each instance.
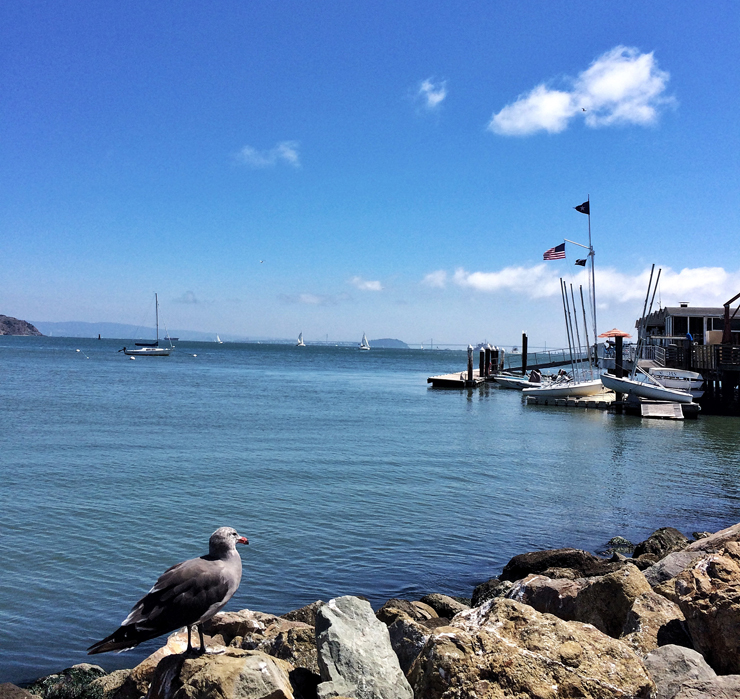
(662, 624)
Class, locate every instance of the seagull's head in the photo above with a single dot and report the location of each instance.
(224, 540)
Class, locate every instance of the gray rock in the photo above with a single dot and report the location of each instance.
(654, 621)
(10, 691)
(489, 590)
(669, 567)
(661, 542)
(714, 542)
(444, 606)
(355, 654)
(724, 687)
(671, 666)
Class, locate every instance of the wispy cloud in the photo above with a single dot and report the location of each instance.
(366, 285)
(622, 86)
(314, 299)
(710, 286)
(432, 94)
(187, 297)
(283, 152)
(437, 280)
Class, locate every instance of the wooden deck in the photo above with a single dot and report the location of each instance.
(457, 380)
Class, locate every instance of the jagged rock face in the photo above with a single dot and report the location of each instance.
(506, 649)
(671, 666)
(235, 674)
(408, 638)
(489, 590)
(395, 609)
(14, 326)
(672, 565)
(726, 687)
(584, 564)
(708, 594)
(715, 542)
(305, 614)
(654, 621)
(661, 542)
(603, 601)
(355, 653)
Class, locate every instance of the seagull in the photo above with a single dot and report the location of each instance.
(583, 109)
(262, 261)
(188, 593)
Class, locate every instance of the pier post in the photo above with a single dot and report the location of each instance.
(488, 360)
(524, 353)
(618, 369)
(470, 362)
(482, 363)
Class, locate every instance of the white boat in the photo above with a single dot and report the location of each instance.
(682, 379)
(518, 383)
(645, 388)
(364, 344)
(150, 349)
(567, 389)
(218, 340)
(300, 342)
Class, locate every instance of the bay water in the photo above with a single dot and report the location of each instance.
(347, 473)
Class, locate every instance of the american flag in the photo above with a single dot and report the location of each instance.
(556, 253)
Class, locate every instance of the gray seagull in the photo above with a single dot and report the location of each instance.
(189, 593)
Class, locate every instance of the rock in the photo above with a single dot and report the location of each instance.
(661, 542)
(671, 666)
(488, 590)
(73, 683)
(110, 684)
(620, 544)
(671, 566)
(714, 542)
(726, 687)
(10, 691)
(394, 609)
(506, 649)
(244, 623)
(443, 605)
(701, 535)
(355, 653)
(296, 644)
(305, 614)
(233, 674)
(585, 563)
(549, 596)
(14, 326)
(408, 638)
(654, 621)
(708, 594)
(606, 601)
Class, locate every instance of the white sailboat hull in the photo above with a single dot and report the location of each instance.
(682, 379)
(518, 383)
(148, 352)
(567, 389)
(644, 389)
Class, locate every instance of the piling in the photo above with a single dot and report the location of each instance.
(524, 353)
(618, 369)
(470, 362)
(488, 360)
(482, 362)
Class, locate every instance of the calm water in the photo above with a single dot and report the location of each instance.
(348, 475)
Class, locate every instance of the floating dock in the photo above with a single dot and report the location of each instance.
(608, 401)
(457, 380)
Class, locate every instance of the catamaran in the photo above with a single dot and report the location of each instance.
(364, 344)
(150, 349)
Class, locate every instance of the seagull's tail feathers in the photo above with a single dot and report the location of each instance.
(123, 638)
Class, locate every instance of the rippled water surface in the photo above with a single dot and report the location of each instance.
(348, 475)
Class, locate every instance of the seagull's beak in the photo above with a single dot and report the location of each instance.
(242, 540)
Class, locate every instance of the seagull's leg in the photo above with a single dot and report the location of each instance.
(202, 640)
(190, 647)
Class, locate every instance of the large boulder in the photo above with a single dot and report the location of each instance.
(718, 540)
(72, 683)
(506, 649)
(242, 624)
(670, 666)
(395, 609)
(11, 691)
(408, 638)
(654, 621)
(233, 674)
(661, 542)
(602, 601)
(305, 614)
(723, 687)
(355, 654)
(708, 594)
(584, 564)
(443, 605)
(670, 566)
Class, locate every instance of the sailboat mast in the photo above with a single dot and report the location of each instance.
(156, 314)
(593, 276)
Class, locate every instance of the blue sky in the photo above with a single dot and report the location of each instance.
(394, 168)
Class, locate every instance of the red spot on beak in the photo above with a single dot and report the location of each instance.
(242, 540)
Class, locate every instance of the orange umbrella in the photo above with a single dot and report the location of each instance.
(615, 333)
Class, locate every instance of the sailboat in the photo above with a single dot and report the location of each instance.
(150, 349)
(300, 342)
(219, 340)
(364, 344)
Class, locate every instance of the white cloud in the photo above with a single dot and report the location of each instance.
(314, 299)
(622, 86)
(437, 280)
(187, 297)
(432, 94)
(701, 286)
(365, 285)
(285, 151)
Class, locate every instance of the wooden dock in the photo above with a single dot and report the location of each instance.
(601, 401)
(457, 380)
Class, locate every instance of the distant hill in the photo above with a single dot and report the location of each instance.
(388, 343)
(13, 326)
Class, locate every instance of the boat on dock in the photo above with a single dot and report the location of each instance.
(682, 379)
(567, 389)
(645, 388)
(519, 383)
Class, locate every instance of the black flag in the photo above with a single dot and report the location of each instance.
(582, 263)
(583, 208)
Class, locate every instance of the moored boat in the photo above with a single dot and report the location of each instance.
(645, 389)
(567, 389)
(150, 349)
